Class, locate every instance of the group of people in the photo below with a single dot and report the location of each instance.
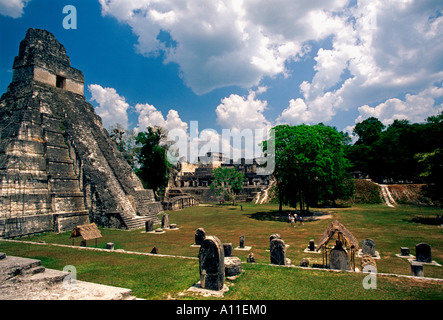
(293, 219)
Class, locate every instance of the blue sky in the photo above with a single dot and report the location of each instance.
(244, 64)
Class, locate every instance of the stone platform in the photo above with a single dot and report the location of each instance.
(27, 279)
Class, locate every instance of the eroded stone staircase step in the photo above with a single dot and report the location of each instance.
(24, 278)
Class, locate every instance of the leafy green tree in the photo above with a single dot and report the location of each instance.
(369, 130)
(391, 154)
(432, 161)
(227, 182)
(310, 166)
(151, 156)
(433, 173)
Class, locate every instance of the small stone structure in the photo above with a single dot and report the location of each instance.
(250, 258)
(417, 269)
(175, 200)
(211, 264)
(26, 279)
(227, 248)
(278, 252)
(368, 247)
(232, 266)
(311, 245)
(338, 258)
(304, 262)
(272, 237)
(149, 225)
(242, 241)
(404, 251)
(154, 250)
(165, 221)
(423, 252)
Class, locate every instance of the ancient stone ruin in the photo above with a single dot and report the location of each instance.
(278, 252)
(211, 264)
(58, 165)
(368, 247)
(423, 252)
(165, 221)
(27, 279)
(338, 258)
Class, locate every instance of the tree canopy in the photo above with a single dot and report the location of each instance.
(401, 152)
(151, 156)
(310, 167)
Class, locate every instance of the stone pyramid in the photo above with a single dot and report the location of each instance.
(58, 166)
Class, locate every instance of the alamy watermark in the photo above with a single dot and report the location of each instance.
(70, 20)
(70, 281)
(370, 281)
(234, 146)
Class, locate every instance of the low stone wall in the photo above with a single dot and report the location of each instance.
(28, 225)
(180, 202)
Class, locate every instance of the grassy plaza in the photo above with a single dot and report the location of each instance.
(175, 268)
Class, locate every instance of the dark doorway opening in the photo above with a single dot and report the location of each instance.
(60, 82)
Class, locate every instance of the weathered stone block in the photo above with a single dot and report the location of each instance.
(232, 266)
(368, 247)
(404, 251)
(251, 258)
(304, 262)
(227, 248)
(423, 252)
(165, 221)
(278, 252)
(211, 264)
(338, 259)
(242, 241)
(367, 260)
(149, 225)
(417, 269)
(311, 245)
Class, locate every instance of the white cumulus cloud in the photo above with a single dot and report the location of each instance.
(379, 50)
(149, 116)
(384, 49)
(415, 108)
(112, 107)
(12, 8)
(237, 112)
(227, 42)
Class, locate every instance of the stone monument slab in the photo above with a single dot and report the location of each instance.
(211, 264)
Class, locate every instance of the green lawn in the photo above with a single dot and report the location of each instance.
(152, 277)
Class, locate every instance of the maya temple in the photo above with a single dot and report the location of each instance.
(58, 166)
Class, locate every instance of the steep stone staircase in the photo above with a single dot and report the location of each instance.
(136, 222)
(146, 207)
